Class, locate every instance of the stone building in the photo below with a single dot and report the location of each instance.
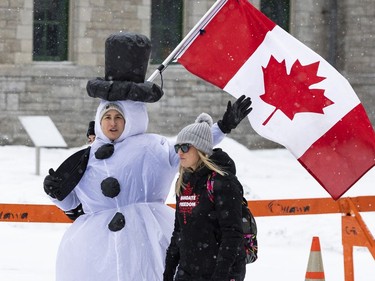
(34, 81)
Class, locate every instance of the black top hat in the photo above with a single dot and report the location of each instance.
(126, 57)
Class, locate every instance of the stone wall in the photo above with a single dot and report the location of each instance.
(93, 20)
(357, 49)
(58, 89)
(45, 90)
(15, 32)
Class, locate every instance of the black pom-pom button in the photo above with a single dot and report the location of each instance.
(105, 151)
(117, 223)
(110, 187)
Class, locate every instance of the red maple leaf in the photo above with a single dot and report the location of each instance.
(290, 92)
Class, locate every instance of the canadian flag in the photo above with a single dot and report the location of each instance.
(299, 100)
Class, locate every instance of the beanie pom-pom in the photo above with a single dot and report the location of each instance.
(204, 117)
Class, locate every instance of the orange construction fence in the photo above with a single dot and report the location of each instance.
(354, 230)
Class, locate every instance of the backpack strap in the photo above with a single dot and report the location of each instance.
(249, 225)
(210, 187)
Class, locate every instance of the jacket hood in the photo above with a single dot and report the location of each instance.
(223, 160)
(136, 118)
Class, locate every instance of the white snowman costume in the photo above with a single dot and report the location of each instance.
(144, 166)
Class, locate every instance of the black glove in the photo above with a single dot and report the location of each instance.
(234, 114)
(52, 184)
(75, 213)
(60, 183)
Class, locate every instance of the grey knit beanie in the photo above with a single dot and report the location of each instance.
(110, 106)
(198, 134)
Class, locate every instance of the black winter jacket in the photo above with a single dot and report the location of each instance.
(207, 241)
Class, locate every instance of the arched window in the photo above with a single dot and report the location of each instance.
(50, 30)
(278, 11)
(166, 28)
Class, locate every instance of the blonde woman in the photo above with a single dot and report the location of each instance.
(207, 241)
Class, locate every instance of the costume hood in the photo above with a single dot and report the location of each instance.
(136, 118)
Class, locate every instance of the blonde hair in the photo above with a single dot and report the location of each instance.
(203, 161)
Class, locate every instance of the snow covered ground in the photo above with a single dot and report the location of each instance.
(28, 250)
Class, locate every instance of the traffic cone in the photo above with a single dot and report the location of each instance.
(315, 271)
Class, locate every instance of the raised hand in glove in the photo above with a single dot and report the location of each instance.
(52, 184)
(234, 114)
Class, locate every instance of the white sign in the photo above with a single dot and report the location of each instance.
(42, 131)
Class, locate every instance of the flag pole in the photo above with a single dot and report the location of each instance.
(188, 38)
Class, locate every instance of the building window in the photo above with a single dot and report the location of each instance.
(278, 11)
(50, 30)
(166, 28)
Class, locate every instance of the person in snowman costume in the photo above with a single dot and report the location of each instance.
(123, 179)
